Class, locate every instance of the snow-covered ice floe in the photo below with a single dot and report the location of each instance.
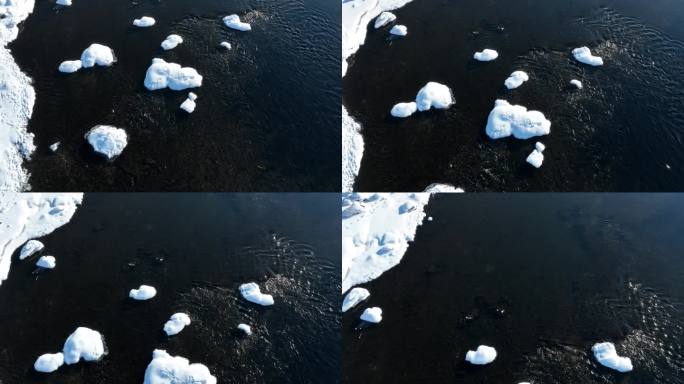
(442, 188)
(226, 45)
(536, 158)
(252, 293)
(233, 22)
(384, 19)
(47, 262)
(171, 42)
(432, 95)
(49, 362)
(372, 315)
(399, 30)
(144, 22)
(607, 356)
(576, 83)
(66, 3)
(70, 66)
(583, 55)
(189, 104)
(84, 343)
(95, 54)
(354, 297)
(28, 216)
(107, 140)
(352, 150)
(483, 355)
(506, 120)
(245, 328)
(486, 55)
(162, 74)
(167, 369)
(30, 248)
(516, 79)
(176, 323)
(144, 292)
(404, 109)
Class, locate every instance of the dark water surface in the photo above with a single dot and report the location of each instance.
(620, 133)
(267, 116)
(540, 278)
(196, 250)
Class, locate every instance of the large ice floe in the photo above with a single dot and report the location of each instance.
(506, 120)
(28, 216)
(233, 22)
(84, 343)
(583, 55)
(144, 22)
(483, 355)
(171, 42)
(95, 54)
(144, 292)
(176, 323)
(354, 297)
(536, 158)
(107, 140)
(162, 74)
(486, 55)
(607, 356)
(167, 369)
(432, 95)
(252, 293)
(516, 79)
(372, 315)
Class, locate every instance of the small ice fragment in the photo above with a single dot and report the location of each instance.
(70, 66)
(171, 42)
(54, 146)
(144, 292)
(245, 328)
(372, 315)
(354, 297)
(516, 79)
(429, 218)
(399, 30)
(384, 19)
(539, 146)
(536, 158)
(65, 3)
(607, 356)
(583, 55)
(47, 262)
(167, 369)
(506, 120)
(226, 45)
(483, 355)
(486, 55)
(30, 248)
(107, 140)
(189, 104)
(252, 293)
(576, 83)
(162, 74)
(403, 109)
(434, 95)
(144, 22)
(176, 323)
(49, 362)
(85, 344)
(233, 21)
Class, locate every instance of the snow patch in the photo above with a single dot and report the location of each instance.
(107, 140)
(486, 55)
(584, 55)
(354, 297)
(162, 74)
(233, 21)
(144, 22)
(372, 315)
(506, 120)
(176, 323)
(171, 42)
(516, 79)
(607, 356)
(167, 369)
(483, 355)
(144, 292)
(251, 292)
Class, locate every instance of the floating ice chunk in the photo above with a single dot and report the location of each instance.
(162, 74)
(539, 146)
(607, 356)
(30, 248)
(486, 55)
(167, 369)
(49, 362)
(245, 328)
(442, 188)
(506, 119)
(144, 292)
(372, 315)
(354, 297)
(144, 22)
(583, 55)
(176, 323)
(70, 66)
(189, 103)
(233, 21)
(54, 146)
(536, 158)
(399, 30)
(97, 54)
(85, 344)
(107, 140)
(171, 42)
(576, 83)
(483, 355)
(226, 45)
(66, 3)
(48, 262)
(404, 109)
(516, 79)
(251, 292)
(384, 19)
(434, 95)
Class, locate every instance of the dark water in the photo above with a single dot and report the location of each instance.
(617, 134)
(541, 278)
(267, 117)
(196, 250)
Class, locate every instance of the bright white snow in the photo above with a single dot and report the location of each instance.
(167, 369)
(49, 362)
(352, 150)
(483, 355)
(506, 120)
(434, 95)
(144, 22)
(162, 74)
(171, 42)
(251, 292)
(576, 83)
(30, 248)
(404, 109)
(47, 262)
(144, 292)
(583, 55)
(399, 30)
(607, 356)
(516, 79)
(176, 323)
(189, 104)
(354, 297)
(372, 315)
(442, 188)
(107, 140)
(70, 66)
(245, 328)
(85, 344)
(486, 55)
(233, 21)
(384, 19)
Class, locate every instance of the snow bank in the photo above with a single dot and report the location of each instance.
(607, 356)
(233, 21)
(384, 19)
(48, 262)
(506, 120)
(30, 248)
(31, 215)
(434, 95)
(352, 150)
(98, 54)
(70, 66)
(583, 55)
(144, 292)
(372, 315)
(403, 109)
(399, 30)
(516, 79)
(486, 55)
(245, 328)
(442, 188)
(354, 297)
(189, 104)
(376, 231)
(171, 42)
(162, 74)
(167, 369)
(576, 83)
(483, 355)
(85, 344)
(176, 323)
(49, 362)
(252, 293)
(144, 22)
(226, 45)
(107, 140)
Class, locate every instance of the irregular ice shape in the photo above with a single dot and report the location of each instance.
(85, 344)
(442, 188)
(403, 109)
(171, 42)
(245, 328)
(70, 66)
(483, 355)
(107, 140)
(233, 21)
(516, 79)
(49, 362)
(535, 158)
(144, 292)
(144, 22)
(539, 146)
(583, 55)
(97, 54)
(63, 2)
(54, 146)
(607, 356)
(576, 83)
(384, 19)
(352, 150)
(354, 297)
(372, 315)
(30, 248)
(189, 104)
(486, 55)
(167, 369)
(176, 323)
(506, 119)
(162, 74)
(399, 30)
(47, 262)
(252, 293)
(434, 95)
(226, 45)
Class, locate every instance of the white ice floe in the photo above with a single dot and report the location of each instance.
(29, 216)
(233, 21)
(54, 146)
(486, 55)
(171, 42)
(506, 120)
(535, 158)
(97, 54)
(107, 140)
(144, 292)
(352, 150)
(162, 74)
(47, 262)
(144, 22)
(251, 292)
(245, 328)
(167, 369)
(49, 362)
(354, 297)
(539, 146)
(576, 83)
(176, 323)
(226, 45)
(403, 109)
(516, 79)
(434, 95)
(376, 231)
(372, 315)
(442, 188)
(583, 55)
(399, 30)
(70, 66)
(384, 19)
(84, 343)
(64, 2)
(607, 356)
(189, 104)
(30, 248)
(483, 355)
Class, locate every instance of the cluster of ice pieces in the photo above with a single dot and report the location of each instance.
(536, 158)
(144, 22)
(233, 22)
(84, 343)
(584, 55)
(167, 369)
(432, 95)
(107, 140)
(506, 120)
(483, 355)
(252, 293)
(95, 54)
(486, 55)
(162, 74)
(176, 323)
